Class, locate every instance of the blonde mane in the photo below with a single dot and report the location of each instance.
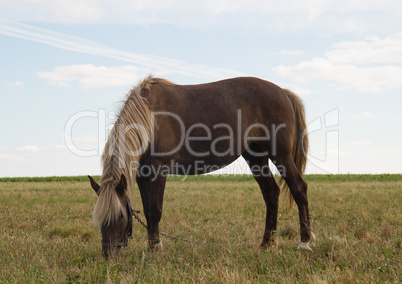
(128, 140)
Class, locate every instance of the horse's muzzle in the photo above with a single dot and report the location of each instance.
(109, 251)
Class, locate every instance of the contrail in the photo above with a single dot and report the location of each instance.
(76, 44)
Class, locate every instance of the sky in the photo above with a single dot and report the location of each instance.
(67, 65)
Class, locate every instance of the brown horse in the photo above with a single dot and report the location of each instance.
(165, 128)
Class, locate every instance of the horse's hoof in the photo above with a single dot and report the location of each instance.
(267, 245)
(304, 246)
(155, 247)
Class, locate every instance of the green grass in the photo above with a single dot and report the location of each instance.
(203, 178)
(47, 235)
(46, 179)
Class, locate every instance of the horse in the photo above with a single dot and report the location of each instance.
(164, 128)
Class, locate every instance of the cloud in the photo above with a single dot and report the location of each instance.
(4, 156)
(360, 142)
(364, 115)
(322, 155)
(90, 76)
(27, 149)
(85, 139)
(385, 153)
(291, 52)
(371, 51)
(60, 11)
(373, 65)
(15, 84)
(6, 159)
(10, 158)
(161, 65)
(207, 14)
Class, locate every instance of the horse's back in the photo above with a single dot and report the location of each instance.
(259, 101)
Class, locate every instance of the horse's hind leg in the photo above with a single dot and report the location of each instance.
(270, 191)
(298, 188)
(152, 191)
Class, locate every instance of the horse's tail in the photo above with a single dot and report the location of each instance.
(300, 144)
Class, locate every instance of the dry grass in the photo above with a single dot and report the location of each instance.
(47, 235)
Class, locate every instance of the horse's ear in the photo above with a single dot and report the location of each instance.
(122, 186)
(94, 185)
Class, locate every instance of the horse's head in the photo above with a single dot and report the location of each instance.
(117, 228)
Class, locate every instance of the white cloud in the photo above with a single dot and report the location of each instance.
(15, 84)
(373, 65)
(385, 153)
(72, 11)
(301, 91)
(257, 14)
(371, 51)
(10, 158)
(7, 159)
(85, 139)
(90, 76)
(291, 52)
(57, 148)
(360, 142)
(329, 152)
(27, 149)
(364, 115)
(3, 156)
(160, 65)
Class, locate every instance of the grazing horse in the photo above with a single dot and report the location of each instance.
(164, 128)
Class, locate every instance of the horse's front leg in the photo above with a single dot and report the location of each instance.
(152, 190)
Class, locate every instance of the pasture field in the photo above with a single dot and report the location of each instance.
(47, 235)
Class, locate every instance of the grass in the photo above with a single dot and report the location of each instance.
(47, 235)
(203, 178)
